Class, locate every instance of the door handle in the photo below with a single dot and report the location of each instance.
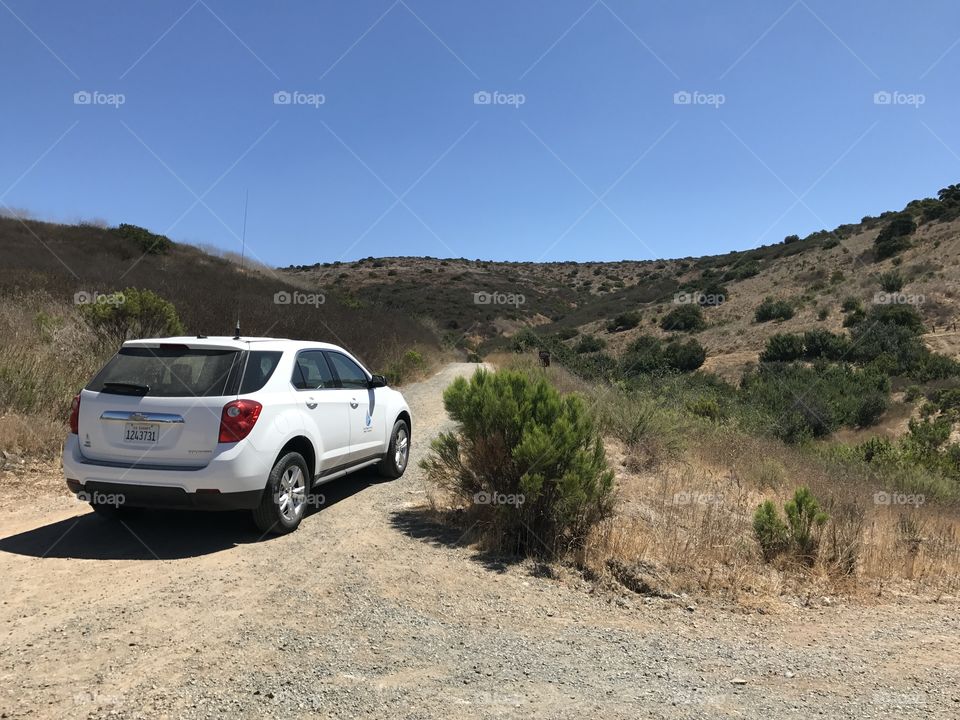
(311, 403)
(353, 403)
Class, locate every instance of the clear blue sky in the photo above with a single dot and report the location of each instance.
(598, 163)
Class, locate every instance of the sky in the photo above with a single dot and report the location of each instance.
(534, 130)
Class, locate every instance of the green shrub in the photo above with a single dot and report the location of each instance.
(892, 281)
(796, 402)
(771, 531)
(524, 340)
(824, 344)
(624, 321)
(132, 313)
(782, 347)
(148, 242)
(567, 333)
(410, 365)
(798, 535)
(686, 318)
(823, 313)
(894, 238)
(912, 393)
(648, 355)
(684, 356)
(589, 344)
(526, 461)
(850, 303)
(771, 309)
(805, 519)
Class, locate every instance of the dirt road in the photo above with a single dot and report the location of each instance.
(368, 610)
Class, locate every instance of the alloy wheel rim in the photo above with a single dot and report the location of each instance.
(292, 495)
(402, 448)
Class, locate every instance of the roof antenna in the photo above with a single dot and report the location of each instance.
(243, 255)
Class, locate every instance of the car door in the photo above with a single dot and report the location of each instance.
(366, 419)
(325, 409)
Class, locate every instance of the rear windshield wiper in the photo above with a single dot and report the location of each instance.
(125, 388)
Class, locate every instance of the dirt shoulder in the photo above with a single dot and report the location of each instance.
(369, 610)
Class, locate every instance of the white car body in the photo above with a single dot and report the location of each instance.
(158, 451)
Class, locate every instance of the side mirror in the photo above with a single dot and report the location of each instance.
(377, 381)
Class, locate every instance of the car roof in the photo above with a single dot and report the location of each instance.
(232, 343)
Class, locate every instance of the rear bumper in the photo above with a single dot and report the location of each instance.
(234, 479)
(162, 498)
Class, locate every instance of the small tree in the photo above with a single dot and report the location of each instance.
(770, 530)
(133, 313)
(800, 534)
(805, 520)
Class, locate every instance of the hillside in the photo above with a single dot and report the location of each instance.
(814, 274)
(50, 273)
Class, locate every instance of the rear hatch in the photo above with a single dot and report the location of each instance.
(158, 405)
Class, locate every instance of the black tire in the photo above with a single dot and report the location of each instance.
(279, 512)
(394, 463)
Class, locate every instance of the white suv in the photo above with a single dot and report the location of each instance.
(228, 423)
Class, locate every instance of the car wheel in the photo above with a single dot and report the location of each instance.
(398, 452)
(285, 498)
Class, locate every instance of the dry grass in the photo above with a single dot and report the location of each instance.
(686, 494)
(685, 526)
(48, 354)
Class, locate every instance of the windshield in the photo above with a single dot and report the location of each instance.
(173, 371)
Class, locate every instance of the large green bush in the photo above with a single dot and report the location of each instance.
(132, 313)
(797, 402)
(772, 309)
(526, 462)
(649, 355)
(687, 318)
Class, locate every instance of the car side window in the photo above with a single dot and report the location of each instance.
(311, 372)
(350, 374)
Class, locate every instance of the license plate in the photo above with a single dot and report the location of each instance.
(140, 432)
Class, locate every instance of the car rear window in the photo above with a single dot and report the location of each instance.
(260, 366)
(167, 372)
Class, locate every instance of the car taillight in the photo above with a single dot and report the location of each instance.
(237, 419)
(75, 416)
